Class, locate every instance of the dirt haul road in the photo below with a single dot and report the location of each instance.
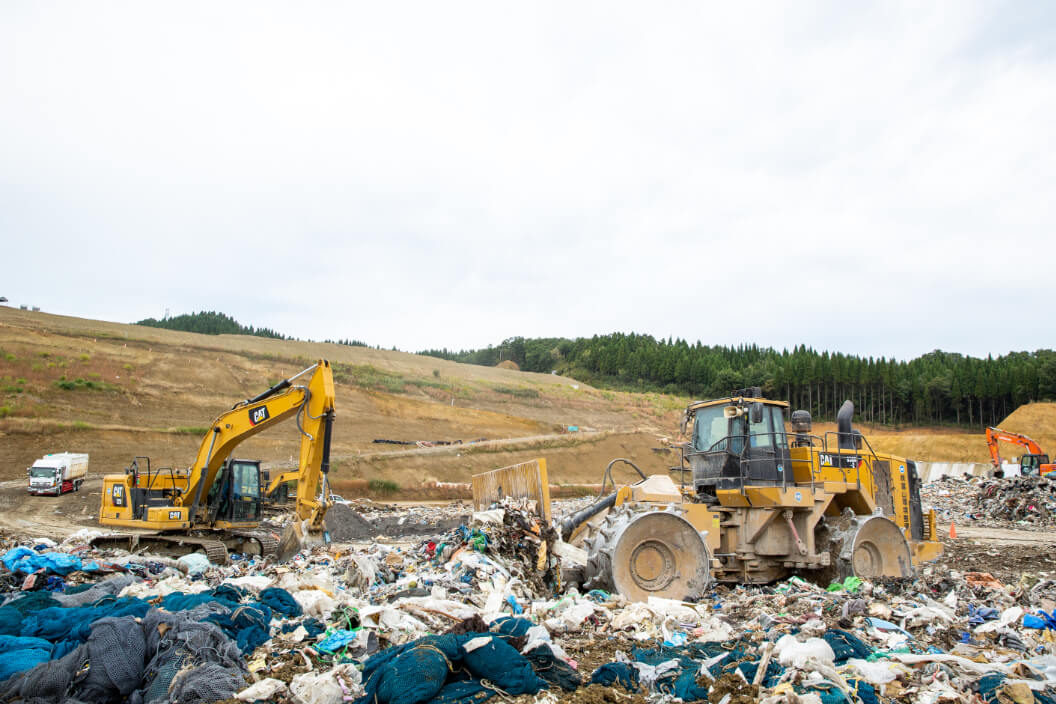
(49, 516)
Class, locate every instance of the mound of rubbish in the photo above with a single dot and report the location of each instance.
(480, 611)
(1022, 503)
(1030, 499)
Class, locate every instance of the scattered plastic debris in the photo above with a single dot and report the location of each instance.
(477, 609)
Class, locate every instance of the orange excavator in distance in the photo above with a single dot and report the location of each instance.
(1033, 462)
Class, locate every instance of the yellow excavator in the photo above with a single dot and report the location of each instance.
(215, 505)
(754, 504)
(277, 489)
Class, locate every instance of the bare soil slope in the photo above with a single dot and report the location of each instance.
(116, 391)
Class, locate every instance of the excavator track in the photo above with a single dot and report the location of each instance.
(267, 544)
(168, 545)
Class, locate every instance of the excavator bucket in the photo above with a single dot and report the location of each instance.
(295, 538)
(655, 553)
(291, 542)
(527, 480)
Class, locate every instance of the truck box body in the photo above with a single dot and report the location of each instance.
(58, 473)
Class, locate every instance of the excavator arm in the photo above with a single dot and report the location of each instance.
(309, 397)
(279, 480)
(995, 435)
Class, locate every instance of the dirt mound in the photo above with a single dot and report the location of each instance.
(345, 525)
(1032, 419)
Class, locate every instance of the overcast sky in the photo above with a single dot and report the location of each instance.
(870, 178)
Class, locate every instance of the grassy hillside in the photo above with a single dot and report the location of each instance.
(115, 391)
(118, 390)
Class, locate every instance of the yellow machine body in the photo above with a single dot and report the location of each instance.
(764, 502)
(218, 493)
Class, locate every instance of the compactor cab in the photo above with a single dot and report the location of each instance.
(737, 441)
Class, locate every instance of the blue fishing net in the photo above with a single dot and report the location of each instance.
(499, 663)
(280, 601)
(229, 592)
(680, 681)
(439, 668)
(511, 626)
(462, 692)
(59, 623)
(553, 669)
(248, 624)
(846, 645)
(10, 621)
(17, 654)
(613, 673)
(178, 601)
(31, 602)
(416, 675)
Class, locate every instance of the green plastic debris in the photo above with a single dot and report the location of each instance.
(849, 585)
(787, 586)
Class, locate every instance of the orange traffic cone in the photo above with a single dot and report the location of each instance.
(953, 531)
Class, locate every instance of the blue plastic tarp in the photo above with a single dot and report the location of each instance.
(1040, 621)
(335, 641)
(26, 561)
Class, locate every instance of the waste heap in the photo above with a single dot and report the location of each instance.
(1029, 500)
(953, 499)
(480, 611)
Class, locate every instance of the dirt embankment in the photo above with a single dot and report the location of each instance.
(117, 391)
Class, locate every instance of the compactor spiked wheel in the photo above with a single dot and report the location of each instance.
(643, 554)
(867, 547)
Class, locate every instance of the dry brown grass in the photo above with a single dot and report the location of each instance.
(166, 379)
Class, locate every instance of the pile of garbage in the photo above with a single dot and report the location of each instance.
(952, 498)
(1022, 503)
(1018, 500)
(480, 611)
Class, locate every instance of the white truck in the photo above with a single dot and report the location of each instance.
(58, 473)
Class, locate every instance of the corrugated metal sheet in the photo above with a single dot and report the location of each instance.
(527, 480)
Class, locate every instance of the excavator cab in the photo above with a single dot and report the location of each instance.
(236, 496)
(1031, 464)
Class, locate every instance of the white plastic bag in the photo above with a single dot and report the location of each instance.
(325, 687)
(266, 690)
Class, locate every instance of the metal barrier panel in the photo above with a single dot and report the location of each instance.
(527, 480)
(934, 471)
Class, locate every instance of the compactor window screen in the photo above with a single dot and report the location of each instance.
(710, 427)
(761, 435)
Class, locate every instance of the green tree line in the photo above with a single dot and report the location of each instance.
(209, 323)
(936, 388)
